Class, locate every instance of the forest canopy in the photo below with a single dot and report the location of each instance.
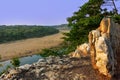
(12, 33)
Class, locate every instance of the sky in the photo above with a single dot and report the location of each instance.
(37, 12)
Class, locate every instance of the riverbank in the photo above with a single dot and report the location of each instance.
(29, 46)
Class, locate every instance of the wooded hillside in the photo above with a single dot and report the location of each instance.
(12, 33)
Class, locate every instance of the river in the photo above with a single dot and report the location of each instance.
(23, 60)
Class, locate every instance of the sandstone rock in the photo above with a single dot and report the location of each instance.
(51, 75)
(82, 77)
(10, 74)
(41, 69)
(101, 55)
(79, 77)
(25, 67)
(104, 48)
(41, 60)
(2, 76)
(50, 59)
(38, 71)
(75, 54)
(13, 71)
(42, 64)
(105, 23)
(54, 66)
(81, 51)
(65, 67)
(59, 67)
(60, 62)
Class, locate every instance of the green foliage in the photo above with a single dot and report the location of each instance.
(12, 33)
(60, 50)
(117, 18)
(84, 20)
(15, 62)
(48, 52)
(87, 18)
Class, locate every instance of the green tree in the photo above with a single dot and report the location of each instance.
(84, 20)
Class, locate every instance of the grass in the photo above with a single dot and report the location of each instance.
(29, 46)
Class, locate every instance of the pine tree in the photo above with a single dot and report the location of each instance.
(84, 20)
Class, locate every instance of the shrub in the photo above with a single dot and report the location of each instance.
(52, 52)
(15, 62)
(60, 50)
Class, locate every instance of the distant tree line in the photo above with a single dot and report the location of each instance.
(12, 33)
(62, 27)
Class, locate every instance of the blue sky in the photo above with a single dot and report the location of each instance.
(41, 12)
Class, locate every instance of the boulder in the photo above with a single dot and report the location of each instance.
(81, 51)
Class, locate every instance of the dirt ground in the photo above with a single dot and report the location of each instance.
(29, 46)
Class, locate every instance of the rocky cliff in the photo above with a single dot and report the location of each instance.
(105, 48)
(102, 56)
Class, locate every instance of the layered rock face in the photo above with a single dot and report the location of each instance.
(105, 48)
